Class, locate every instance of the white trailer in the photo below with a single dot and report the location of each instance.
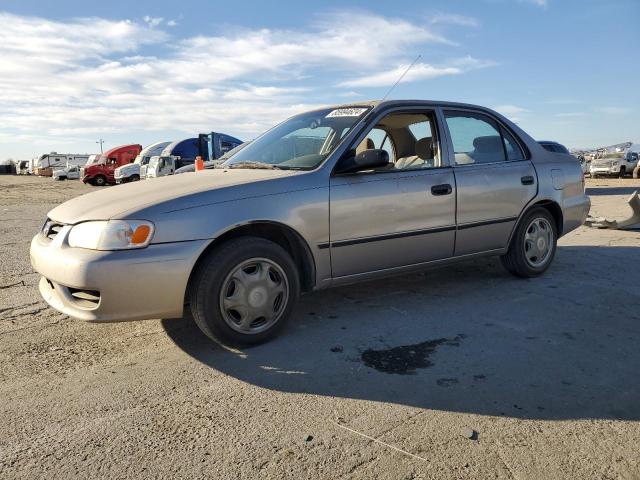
(45, 164)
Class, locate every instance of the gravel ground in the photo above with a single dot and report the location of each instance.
(463, 372)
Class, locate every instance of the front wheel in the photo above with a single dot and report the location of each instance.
(99, 181)
(244, 291)
(134, 178)
(622, 172)
(533, 245)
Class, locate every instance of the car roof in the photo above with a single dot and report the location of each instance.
(405, 103)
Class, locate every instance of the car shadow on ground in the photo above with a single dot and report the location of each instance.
(467, 338)
(593, 191)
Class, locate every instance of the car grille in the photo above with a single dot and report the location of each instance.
(51, 229)
(606, 164)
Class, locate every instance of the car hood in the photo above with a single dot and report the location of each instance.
(171, 192)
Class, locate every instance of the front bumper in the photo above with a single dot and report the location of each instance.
(119, 285)
(605, 170)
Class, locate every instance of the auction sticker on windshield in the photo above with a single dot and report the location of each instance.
(346, 112)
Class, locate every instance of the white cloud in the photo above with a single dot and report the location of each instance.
(512, 112)
(538, 3)
(153, 21)
(62, 80)
(614, 110)
(455, 19)
(172, 23)
(419, 71)
(570, 114)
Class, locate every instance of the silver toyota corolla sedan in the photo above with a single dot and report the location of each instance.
(335, 195)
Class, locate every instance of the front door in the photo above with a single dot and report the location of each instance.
(495, 181)
(398, 215)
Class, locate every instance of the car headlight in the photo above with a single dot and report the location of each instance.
(111, 234)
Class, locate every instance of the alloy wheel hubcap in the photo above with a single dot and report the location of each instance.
(538, 242)
(254, 295)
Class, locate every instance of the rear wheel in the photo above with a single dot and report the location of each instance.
(99, 181)
(533, 245)
(244, 291)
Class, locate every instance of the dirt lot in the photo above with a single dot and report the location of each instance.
(379, 380)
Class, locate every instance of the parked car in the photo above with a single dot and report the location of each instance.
(69, 173)
(101, 170)
(183, 153)
(616, 164)
(556, 147)
(131, 171)
(328, 197)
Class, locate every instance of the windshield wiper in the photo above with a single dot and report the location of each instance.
(257, 165)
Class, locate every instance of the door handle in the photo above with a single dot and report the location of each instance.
(444, 189)
(527, 180)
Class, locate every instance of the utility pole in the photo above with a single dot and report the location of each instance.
(101, 141)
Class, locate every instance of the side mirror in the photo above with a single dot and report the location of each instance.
(161, 163)
(367, 160)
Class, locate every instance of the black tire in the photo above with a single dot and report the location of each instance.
(623, 172)
(134, 178)
(206, 285)
(99, 181)
(515, 261)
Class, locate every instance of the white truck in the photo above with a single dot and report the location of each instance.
(616, 164)
(132, 172)
(70, 172)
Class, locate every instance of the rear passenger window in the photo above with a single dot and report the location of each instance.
(514, 152)
(478, 138)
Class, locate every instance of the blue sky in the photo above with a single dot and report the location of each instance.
(75, 71)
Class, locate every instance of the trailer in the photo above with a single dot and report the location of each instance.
(44, 165)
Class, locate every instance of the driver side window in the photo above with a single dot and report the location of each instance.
(410, 139)
(382, 141)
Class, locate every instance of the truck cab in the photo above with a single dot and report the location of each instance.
(101, 171)
(179, 154)
(132, 172)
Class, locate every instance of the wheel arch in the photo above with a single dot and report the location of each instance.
(285, 236)
(551, 206)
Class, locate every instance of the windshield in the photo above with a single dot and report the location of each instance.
(141, 160)
(302, 142)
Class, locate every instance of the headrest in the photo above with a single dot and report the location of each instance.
(488, 144)
(424, 148)
(366, 144)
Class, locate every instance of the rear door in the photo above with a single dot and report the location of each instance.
(495, 180)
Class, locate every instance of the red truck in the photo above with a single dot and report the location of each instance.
(100, 171)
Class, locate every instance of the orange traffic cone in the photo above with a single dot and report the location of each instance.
(199, 163)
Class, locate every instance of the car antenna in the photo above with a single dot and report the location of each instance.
(401, 77)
